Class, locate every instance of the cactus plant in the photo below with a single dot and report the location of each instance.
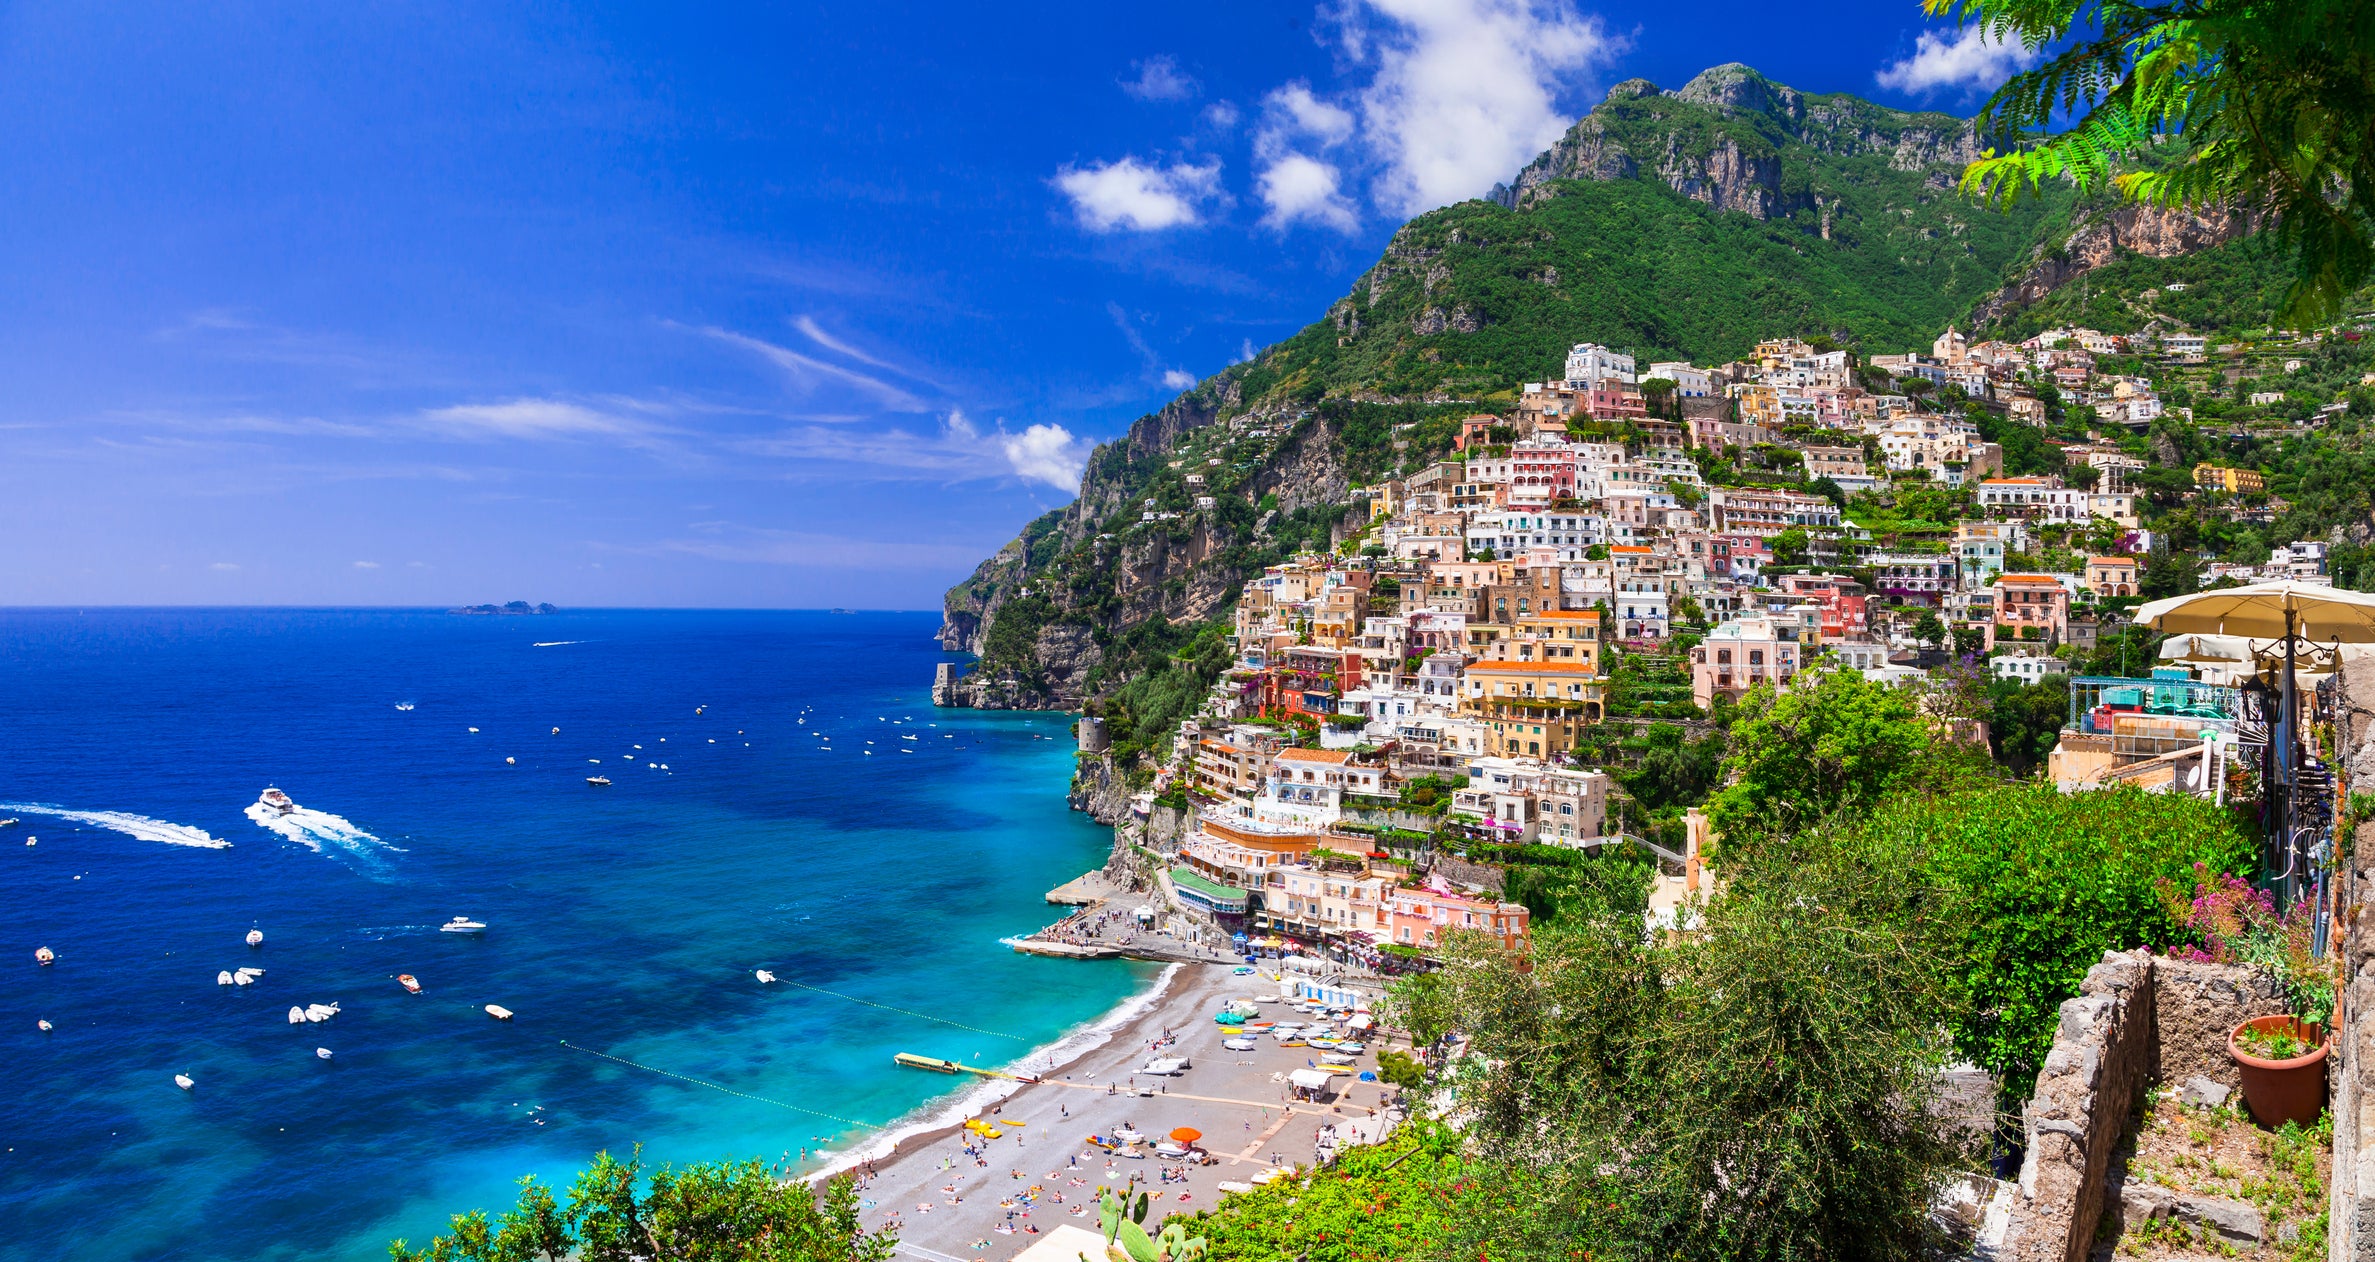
(1138, 1215)
(1109, 1217)
(1137, 1244)
(1175, 1245)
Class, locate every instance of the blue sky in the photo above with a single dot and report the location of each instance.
(778, 305)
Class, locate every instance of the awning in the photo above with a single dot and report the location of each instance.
(1310, 1079)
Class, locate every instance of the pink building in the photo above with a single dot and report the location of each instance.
(1422, 918)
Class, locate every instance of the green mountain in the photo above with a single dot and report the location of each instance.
(1686, 224)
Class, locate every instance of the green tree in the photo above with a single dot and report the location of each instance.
(1789, 547)
(1928, 628)
(726, 1211)
(2274, 105)
(2024, 721)
(1832, 740)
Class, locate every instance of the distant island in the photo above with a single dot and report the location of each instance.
(504, 610)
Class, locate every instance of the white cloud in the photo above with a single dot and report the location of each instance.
(810, 330)
(1245, 353)
(1160, 79)
(1297, 188)
(1467, 91)
(1048, 453)
(366, 565)
(1293, 111)
(809, 371)
(1221, 114)
(1134, 195)
(528, 418)
(1178, 379)
(1964, 59)
(222, 565)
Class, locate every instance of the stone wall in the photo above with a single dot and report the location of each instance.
(2351, 1216)
(2101, 1062)
(2195, 1008)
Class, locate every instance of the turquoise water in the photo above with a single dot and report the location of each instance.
(627, 919)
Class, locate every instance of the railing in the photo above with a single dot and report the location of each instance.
(2091, 695)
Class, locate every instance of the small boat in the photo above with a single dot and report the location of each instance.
(498, 1012)
(474, 729)
(556, 731)
(765, 977)
(255, 937)
(698, 709)
(462, 924)
(272, 799)
(243, 979)
(322, 1052)
(404, 705)
(43, 1025)
(44, 956)
(223, 978)
(411, 984)
(598, 781)
(320, 1011)
(511, 762)
(183, 1081)
(296, 1016)
(251, 973)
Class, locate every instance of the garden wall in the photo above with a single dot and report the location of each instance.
(2138, 1020)
(2351, 1217)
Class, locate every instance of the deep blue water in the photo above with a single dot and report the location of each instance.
(628, 919)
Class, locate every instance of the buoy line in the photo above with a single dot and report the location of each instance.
(666, 1073)
(921, 1016)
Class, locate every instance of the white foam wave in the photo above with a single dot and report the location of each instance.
(313, 829)
(553, 644)
(125, 822)
(1082, 1039)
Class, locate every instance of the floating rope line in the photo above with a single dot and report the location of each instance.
(921, 1016)
(714, 1087)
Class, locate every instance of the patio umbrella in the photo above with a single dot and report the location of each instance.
(2295, 613)
(1187, 1134)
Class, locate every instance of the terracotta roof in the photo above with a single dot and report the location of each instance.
(1592, 614)
(1497, 666)
(2032, 580)
(1315, 755)
(2111, 560)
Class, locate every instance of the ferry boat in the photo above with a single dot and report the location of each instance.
(274, 799)
(463, 924)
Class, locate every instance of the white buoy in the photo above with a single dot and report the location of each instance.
(183, 1081)
(223, 978)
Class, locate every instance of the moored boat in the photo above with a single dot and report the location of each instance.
(598, 781)
(183, 1081)
(255, 937)
(296, 1016)
(765, 977)
(498, 1012)
(44, 956)
(322, 1052)
(223, 978)
(463, 924)
(409, 982)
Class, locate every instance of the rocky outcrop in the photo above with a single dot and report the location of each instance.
(1099, 791)
(2101, 234)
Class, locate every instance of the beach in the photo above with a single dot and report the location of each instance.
(1040, 1171)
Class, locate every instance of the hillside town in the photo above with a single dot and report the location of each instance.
(1633, 545)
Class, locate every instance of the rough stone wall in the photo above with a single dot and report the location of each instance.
(2351, 1216)
(2101, 1061)
(2195, 1007)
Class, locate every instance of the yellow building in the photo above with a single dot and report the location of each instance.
(1534, 709)
(2212, 477)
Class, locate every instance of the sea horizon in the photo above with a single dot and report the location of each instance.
(626, 920)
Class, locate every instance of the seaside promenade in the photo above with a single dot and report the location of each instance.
(948, 1203)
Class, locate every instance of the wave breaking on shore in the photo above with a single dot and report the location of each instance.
(1081, 1040)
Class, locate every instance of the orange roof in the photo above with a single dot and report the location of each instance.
(2111, 560)
(2014, 482)
(1315, 755)
(1592, 614)
(2032, 580)
(1627, 547)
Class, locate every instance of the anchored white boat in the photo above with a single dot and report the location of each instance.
(498, 1012)
(183, 1081)
(410, 983)
(43, 1025)
(296, 1016)
(320, 1011)
(223, 978)
(404, 705)
(44, 956)
(255, 937)
(322, 1052)
(463, 924)
(765, 977)
(598, 781)
(273, 799)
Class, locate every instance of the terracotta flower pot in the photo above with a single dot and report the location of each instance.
(2280, 1091)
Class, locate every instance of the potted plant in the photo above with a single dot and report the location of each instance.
(2281, 1057)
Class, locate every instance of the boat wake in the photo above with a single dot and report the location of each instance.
(318, 831)
(140, 826)
(553, 644)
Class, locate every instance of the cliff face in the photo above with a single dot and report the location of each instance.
(2099, 235)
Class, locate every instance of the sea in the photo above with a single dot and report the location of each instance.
(783, 797)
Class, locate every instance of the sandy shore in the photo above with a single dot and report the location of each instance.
(1239, 1100)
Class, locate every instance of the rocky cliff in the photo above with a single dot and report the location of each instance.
(2099, 234)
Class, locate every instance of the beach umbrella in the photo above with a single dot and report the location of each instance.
(1187, 1134)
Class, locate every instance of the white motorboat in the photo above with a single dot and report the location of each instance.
(404, 705)
(1334, 1058)
(411, 984)
(1240, 1044)
(320, 1011)
(223, 978)
(765, 977)
(183, 1081)
(463, 924)
(255, 937)
(43, 1025)
(598, 781)
(272, 799)
(251, 973)
(243, 979)
(44, 956)
(322, 1052)
(296, 1016)
(498, 1012)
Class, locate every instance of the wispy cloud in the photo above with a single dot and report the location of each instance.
(1966, 59)
(366, 565)
(1139, 196)
(530, 418)
(809, 371)
(1160, 79)
(753, 545)
(809, 329)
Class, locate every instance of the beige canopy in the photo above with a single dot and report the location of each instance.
(2320, 614)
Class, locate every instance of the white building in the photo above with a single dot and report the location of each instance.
(1689, 382)
(1590, 362)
